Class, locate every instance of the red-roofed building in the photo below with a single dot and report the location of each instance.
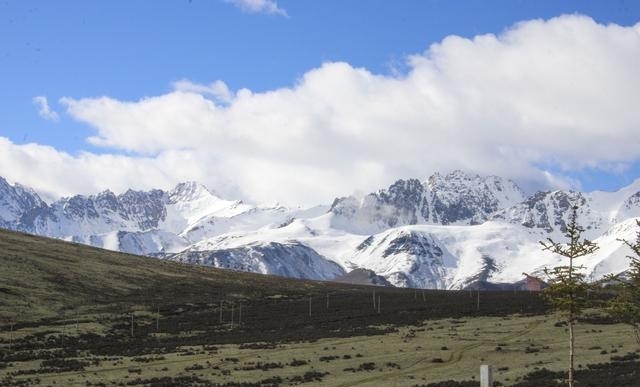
(534, 284)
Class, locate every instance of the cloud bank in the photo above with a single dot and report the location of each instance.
(547, 95)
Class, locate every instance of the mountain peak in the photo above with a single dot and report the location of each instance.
(190, 191)
(15, 200)
(455, 198)
(455, 175)
(106, 194)
(459, 174)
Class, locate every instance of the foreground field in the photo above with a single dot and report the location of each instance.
(428, 352)
(77, 316)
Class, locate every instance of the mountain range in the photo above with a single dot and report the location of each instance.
(442, 233)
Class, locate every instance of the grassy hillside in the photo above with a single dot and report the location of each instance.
(42, 277)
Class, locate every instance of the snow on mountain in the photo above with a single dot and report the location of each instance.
(611, 257)
(406, 257)
(616, 207)
(445, 232)
(251, 218)
(446, 256)
(315, 232)
(464, 199)
(191, 204)
(16, 204)
(195, 214)
(428, 256)
(151, 242)
(456, 198)
(548, 212)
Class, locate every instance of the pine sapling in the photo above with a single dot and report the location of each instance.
(568, 288)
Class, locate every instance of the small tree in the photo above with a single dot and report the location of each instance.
(568, 289)
(626, 305)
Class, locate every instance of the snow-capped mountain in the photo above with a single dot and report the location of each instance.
(17, 204)
(452, 199)
(549, 212)
(136, 221)
(444, 232)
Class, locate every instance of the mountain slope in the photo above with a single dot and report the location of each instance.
(406, 257)
(290, 259)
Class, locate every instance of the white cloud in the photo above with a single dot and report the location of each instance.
(218, 89)
(54, 173)
(269, 7)
(545, 95)
(44, 109)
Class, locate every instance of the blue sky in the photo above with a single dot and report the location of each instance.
(70, 54)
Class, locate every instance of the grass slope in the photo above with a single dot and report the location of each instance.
(44, 277)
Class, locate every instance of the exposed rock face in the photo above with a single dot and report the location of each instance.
(18, 205)
(461, 198)
(456, 198)
(289, 260)
(548, 211)
(105, 212)
(146, 209)
(482, 276)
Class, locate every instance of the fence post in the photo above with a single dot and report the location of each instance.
(486, 379)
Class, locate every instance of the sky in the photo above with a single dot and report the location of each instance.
(298, 102)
